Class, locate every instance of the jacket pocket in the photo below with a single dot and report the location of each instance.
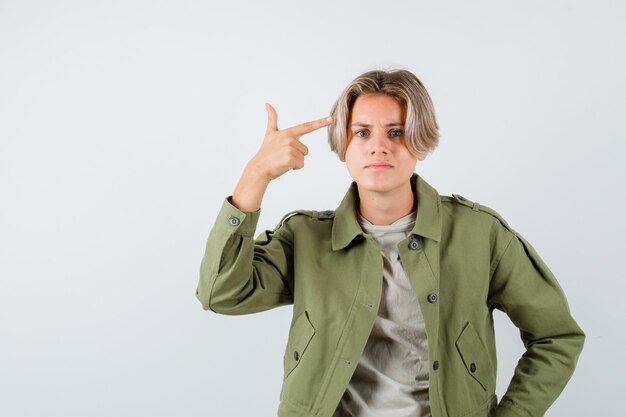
(300, 335)
(475, 357)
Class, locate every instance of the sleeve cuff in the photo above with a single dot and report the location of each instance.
(508, 409)
(233, 220)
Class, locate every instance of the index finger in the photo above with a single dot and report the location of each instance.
(308, 127)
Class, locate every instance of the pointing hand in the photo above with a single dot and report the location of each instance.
(282, 150)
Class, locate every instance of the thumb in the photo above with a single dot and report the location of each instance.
(272, 118)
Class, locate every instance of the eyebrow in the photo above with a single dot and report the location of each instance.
(388, 124)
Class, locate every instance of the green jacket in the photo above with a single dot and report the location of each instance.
(463, 261)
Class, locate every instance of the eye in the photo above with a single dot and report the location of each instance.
(396, 133)
(357, 133)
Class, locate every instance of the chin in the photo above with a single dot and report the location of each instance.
(376, 184)
(382, 181)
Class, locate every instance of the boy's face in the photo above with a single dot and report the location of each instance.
(377, 157)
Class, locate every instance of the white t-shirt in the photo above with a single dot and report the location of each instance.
(391, 378)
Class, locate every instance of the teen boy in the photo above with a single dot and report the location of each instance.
(392, 292)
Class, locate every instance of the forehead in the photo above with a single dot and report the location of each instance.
(376, 106)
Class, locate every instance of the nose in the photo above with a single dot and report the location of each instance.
(379, 143)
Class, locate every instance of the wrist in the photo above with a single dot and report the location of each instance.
(254, 174)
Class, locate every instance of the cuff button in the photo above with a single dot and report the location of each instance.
(234, 221)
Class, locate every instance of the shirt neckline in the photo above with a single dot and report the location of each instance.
(399, 225)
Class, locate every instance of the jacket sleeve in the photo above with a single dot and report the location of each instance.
(526, 290)
(241, 275)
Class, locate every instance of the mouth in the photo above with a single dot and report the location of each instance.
(379, 165)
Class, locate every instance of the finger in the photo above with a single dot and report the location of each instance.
(308, 127)
(272, 118)
(300, 147)
(298, 164)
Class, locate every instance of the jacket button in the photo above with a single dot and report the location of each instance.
(473, 367)
(432, 297)
(436, 365)
(413, 244)
(295, 355)
(234, 220)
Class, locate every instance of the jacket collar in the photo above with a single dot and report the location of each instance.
(427, 223)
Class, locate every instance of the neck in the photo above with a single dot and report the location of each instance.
(385, 208)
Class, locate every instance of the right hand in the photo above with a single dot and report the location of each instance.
(282, 150)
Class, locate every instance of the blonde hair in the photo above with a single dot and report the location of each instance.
(421, 129)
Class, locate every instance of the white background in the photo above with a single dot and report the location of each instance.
(124, 125)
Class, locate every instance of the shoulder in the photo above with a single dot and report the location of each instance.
(474, 209)
(308, 215)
